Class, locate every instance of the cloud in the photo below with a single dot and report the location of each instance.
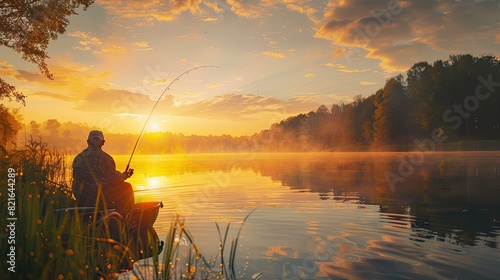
(157, 82)
(343, 68)
(180, 6)
(114, 49)
(86, 88)
(310, 75)
(247, 9)
(7, 70)
(141, 12)
(302, 7)
(53, 95)
(214, 85)
(87, 41)
(250, 106)
(272, 43)
(274, 54)
(314, 100)
(118, 102)
(391, 30)
(148, 12)
(329, 64)
(28, 76)
(368, 83)
(229, 106)
(142, 46)
(99, 99)
(400, 57)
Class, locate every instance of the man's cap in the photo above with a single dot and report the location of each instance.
(96, 134)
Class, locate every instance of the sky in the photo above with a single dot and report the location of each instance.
(212, 67)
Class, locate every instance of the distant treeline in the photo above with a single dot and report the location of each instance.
(450, 101)
(447, 101)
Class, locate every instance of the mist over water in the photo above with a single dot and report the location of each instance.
(336, 215)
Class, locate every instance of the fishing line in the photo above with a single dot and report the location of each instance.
(254, 80)
(158, 101)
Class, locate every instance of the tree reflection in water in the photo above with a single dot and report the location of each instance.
(453, 197)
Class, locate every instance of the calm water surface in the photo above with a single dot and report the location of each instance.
(336, 215)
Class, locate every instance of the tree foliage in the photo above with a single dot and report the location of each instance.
(9, 126)
(390, 113)
(27, 26)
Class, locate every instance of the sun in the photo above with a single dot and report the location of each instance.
(154, 127)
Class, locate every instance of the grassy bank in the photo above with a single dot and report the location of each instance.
(39, 239)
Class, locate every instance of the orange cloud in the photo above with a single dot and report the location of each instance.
(111, 48)
(368, 83)
(142, 46)
(7, 70)
(399, 33)
(142, 12)
(180, 6)
(149, 11)
(246, 10)
(157, 82)
(53, 95)
(274, 54)
(214, 85)
(87, 41)
(302, 8)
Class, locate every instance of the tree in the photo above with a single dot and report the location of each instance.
(366, 118)
(424, 83)
(390, 119)
(9, 126)
(35, 129)
(27, 26)
(52, 126)
(322, 110)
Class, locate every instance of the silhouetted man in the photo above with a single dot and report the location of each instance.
(94, 173)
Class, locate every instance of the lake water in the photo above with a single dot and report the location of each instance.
(336, 215)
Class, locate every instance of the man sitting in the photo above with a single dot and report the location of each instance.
(95, 177)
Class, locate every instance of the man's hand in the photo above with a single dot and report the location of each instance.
(124, 175)
(130, 172)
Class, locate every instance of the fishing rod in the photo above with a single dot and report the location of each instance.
(158, 101)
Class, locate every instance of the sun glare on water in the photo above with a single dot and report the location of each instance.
(145, 190)
(153, 183)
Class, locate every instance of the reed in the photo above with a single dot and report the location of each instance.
(46, 242)
(182, 259)
(221, 266)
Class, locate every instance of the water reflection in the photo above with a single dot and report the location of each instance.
(453, 197)
(336, 216)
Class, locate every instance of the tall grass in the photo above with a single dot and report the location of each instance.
(228, 269)
(47, 244)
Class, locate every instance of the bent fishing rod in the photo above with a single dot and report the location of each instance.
(158, 101)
